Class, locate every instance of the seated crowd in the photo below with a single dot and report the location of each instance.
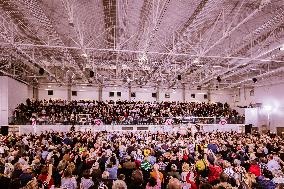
(121, 112)
(140, 160)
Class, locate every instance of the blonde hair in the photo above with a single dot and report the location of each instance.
(119, 184)
(156, 167)
(105, 175)
(185, 167)
(249, 179)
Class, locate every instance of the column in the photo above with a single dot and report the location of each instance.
(209, 95)
(69, 92)
(183, 93)
(129, 93)
(35, 93)
(158, 94)
(100, 93)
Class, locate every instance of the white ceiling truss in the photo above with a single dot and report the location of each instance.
(142, 42)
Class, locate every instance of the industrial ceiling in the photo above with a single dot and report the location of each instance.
(165, 43)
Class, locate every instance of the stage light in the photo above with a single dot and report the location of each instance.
(267, 108)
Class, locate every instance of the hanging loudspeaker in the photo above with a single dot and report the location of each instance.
(179, 77)
(219, 79)
(41, 71)
(92, 73)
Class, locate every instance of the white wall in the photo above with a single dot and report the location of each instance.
(58, 92)
(85, 93)
(272, 96)
(18, 93)
(12, 93)
(124, 93)
(3, 100)
(269, 96)
(142, 94)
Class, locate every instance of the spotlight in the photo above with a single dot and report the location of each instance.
(254, 80)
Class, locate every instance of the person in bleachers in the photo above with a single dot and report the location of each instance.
(121, 112)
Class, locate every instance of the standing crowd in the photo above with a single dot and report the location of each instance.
(141, 160)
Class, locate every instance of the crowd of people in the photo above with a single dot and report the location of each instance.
(141, 160)
(122, 112)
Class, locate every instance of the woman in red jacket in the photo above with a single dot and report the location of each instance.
(254, 168)
(43, 178)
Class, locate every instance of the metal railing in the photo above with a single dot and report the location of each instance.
(88, 119)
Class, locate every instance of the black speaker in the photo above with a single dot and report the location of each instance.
(74, 93)
(4, 130)
(248, 129)
(50, 92)
(41, 71)
(219, 79)
(179, 77)
(154, 95)
(92, 74)
(133, 95)
(254, 80)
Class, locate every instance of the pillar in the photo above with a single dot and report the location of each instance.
(209, 95)
(183, 93)
(69, 92)
(129, 92)
(100, 91)
(35, 93)
(158, 94)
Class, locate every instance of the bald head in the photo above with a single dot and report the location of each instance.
(174, 183)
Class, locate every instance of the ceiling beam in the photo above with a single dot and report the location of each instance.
(140, 51)
(281, 69)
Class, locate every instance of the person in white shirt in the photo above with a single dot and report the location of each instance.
(273, 164)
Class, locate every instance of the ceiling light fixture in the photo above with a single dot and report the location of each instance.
(217, 66)
(264, 60)
(195, 61)
(84, 55)
(143, 58)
